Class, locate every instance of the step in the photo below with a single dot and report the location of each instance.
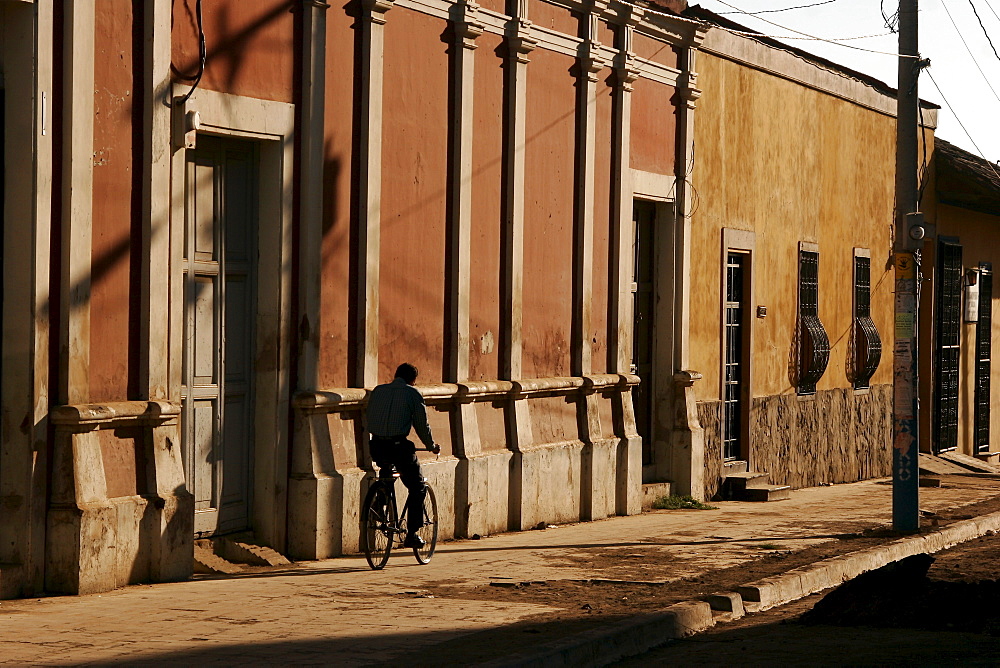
(968, 462)
(651, 491)
(738, 482)
(989, 457)
(734, 466)
(207, 561)
(767, 493)
(931, 465)
(242, 552)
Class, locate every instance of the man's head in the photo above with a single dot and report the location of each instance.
(407, 372)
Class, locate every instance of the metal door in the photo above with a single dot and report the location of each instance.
(217, 385)
(948, 339)
(984, 354)
(733, 403)
(643, 303)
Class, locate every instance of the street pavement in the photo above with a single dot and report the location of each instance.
(339, 612)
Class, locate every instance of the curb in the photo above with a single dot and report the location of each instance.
(635, 635)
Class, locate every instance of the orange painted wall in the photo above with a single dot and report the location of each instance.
(554, 17)
(654, 123)
(338, 198)
(548, 218)
(602, 224)
(654, 50)
(247, 43)
(414, 195)
(115, 204)
(487, 176)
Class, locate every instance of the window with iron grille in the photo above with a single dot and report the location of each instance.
(867, 344)
(984, 345)
(814, 344)
(733, 382)
(947, 340)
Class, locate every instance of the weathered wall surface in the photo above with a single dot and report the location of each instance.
(547, 302)
(116, 250)
(248, 47)
(790, 164)
(833, 437)
(414, 196)
(487, 174)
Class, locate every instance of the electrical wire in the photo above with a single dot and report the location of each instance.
(974, 11)
(960, 123)
(202, 56)
(971, 55)
(759, 35)
(785, 9)
(987, 3)
(890, 20)
(803, 35)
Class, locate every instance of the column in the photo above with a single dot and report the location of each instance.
(77, 194)
(312, 107)
(370, 192)
(155, 304)
(628, 487)
(686, 461)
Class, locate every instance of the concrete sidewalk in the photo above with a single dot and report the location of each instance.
(339, 612)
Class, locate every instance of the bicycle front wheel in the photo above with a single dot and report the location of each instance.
(379, 522)
(429, 531)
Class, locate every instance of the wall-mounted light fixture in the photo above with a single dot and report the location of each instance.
(971, 283)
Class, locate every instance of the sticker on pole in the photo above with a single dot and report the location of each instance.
(905, 266)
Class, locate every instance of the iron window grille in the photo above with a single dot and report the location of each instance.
(867, 342)
(814, 344)
(732, 424)
(984, 345)
(948, 338)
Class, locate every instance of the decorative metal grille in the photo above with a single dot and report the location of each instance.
(867, 342)
(948, 337)
(732, 419)
(814, 344)
(984, 345)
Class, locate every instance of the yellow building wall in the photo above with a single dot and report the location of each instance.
(792, 164)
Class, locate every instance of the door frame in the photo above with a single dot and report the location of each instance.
(270, 124)
(658, 190)
(738, 241)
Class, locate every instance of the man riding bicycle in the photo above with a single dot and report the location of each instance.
(393, 409)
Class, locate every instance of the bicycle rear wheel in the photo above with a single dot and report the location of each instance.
(429, 531)
(378, 528)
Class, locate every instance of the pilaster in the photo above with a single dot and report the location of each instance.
(590, 66)
(467, 28)
(77, 198)
(620, 300)
(519, 45)
(154, 318)
(370, 191)
(311, 108)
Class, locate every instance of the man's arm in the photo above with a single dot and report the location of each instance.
(418, 415)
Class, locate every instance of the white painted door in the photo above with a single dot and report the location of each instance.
(220, 255)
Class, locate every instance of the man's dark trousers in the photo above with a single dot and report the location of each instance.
(401, 453)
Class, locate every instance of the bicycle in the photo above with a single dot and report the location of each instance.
(383, 527)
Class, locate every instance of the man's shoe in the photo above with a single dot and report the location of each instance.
(413, 540)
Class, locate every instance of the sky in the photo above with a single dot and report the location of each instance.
(974, 98)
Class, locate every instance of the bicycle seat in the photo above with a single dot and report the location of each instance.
(386, 473)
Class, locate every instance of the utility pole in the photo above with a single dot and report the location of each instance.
(906, 260)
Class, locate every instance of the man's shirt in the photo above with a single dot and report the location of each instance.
(393, 408)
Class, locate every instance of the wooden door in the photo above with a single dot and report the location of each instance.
(219, 325)
(643, 320)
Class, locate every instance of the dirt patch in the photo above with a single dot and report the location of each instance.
(639, 579)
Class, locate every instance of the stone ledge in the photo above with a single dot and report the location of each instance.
(89, 416)
(355, 398)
